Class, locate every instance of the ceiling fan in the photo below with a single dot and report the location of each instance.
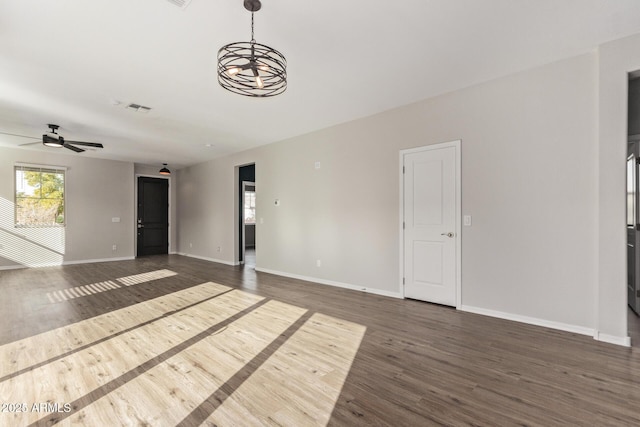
(53, 139)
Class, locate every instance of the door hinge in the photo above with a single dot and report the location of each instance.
(403, 280)
(403, 169)
(403, 225)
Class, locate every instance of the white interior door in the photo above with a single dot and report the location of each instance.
(431, 230)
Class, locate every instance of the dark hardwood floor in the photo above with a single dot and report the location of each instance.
(418, 364)
(250, 257)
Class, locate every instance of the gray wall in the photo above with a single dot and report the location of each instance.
(96, 191)
(529, 179)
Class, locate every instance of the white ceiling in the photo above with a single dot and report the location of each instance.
(69, 62)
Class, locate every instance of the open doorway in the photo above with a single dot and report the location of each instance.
(247, 215)
(249, 222)
(633, 205)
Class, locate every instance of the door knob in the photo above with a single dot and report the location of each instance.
(449, 234)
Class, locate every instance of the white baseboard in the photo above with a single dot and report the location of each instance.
(13, 267)
(332, 283)
(529, 320)
(612, 339)
(90, 261)
(55, 264)
(220, 261)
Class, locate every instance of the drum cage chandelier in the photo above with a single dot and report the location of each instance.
(250, 68)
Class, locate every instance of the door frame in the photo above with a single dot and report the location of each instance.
(135, 210)
(458, 237)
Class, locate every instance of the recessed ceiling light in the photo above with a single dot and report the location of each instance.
(208, 145)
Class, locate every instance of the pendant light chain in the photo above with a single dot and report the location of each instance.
(253, 39)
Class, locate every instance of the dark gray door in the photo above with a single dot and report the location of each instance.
(153, 216)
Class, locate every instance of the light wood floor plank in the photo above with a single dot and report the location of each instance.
(22, 354)
(301, 382)
(154, 399)
(81, 372)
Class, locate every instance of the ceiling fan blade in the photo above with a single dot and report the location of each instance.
(15, 134)
(72, 148)
(88, 144)
(29, 143)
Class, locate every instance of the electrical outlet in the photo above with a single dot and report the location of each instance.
(219, 249)
(114, 247)
(190, 244)
(318, 263)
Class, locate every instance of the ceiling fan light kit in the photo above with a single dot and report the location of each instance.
(52, 139)
(250, 68)
(164, 170)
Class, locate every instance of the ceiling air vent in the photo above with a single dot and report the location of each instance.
(182, 4)
(139, 108)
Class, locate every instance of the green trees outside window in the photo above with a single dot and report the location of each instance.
(39, 197)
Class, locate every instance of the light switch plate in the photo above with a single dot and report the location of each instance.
(467, 220)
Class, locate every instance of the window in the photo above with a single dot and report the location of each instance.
(39, 197)
(249, 207)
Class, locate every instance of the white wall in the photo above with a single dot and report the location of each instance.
(96, 191)
(529, 178)
(207, 211)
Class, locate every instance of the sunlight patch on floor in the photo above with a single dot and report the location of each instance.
(167, 393)
(300, 384)
(90, 368)
(81, 291)
(98, 287)
(209, 354)
(136, 279)
(27, 352)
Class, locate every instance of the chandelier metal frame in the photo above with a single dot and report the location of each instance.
(250, 68)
